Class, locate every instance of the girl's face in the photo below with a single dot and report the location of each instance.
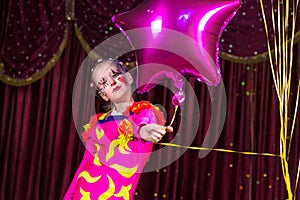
(113, 83)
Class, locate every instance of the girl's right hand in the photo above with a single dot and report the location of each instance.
(154, 132)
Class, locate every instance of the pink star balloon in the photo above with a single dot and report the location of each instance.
(183, 35)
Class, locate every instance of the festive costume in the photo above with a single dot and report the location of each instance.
(115, 154)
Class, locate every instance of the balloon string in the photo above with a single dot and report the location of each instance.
(220, 150)
(213, 149)
(173, 118)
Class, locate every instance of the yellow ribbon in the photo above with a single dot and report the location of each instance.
(214, 149)
(220, 150)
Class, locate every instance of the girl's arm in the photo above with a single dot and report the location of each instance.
(150, 122)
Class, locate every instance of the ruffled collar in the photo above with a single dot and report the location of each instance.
(137, 107)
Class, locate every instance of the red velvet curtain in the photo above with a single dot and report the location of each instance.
(39, 145)
(40, 148)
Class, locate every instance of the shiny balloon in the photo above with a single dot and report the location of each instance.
(200, 20)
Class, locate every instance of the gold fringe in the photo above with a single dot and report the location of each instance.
(282, 57)
(19, 82)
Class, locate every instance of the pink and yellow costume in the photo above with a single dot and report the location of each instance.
(115, 154)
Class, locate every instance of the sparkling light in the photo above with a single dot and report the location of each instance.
(156, 26)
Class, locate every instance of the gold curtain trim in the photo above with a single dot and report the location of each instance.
(92, 54)
(252, 59)
(84, 44)
(36, 76)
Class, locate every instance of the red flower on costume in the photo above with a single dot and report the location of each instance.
(126, 129)
(137, 107)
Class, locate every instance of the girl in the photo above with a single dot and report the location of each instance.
(119, 142)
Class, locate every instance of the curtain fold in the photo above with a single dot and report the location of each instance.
(40, 148)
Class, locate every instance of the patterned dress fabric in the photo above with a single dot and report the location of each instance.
(115, 154)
